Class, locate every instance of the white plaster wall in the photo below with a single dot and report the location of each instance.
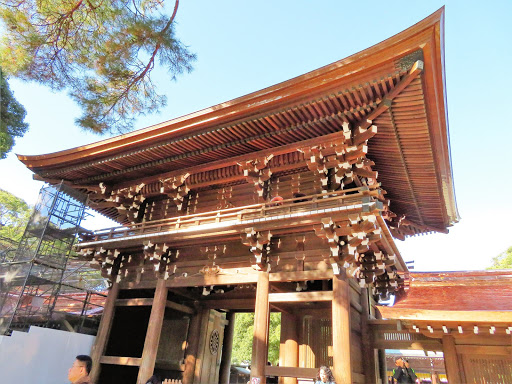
(41, 356)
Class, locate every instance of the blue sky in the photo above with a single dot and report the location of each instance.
(244, 46)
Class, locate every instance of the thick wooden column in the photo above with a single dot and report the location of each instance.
(192, 347)
(261, 319)
(100, 343)
(290, 343)
(383, 368)
(451, 362)
(342, 368)
(227, 346)
(366, 339)
(156, 320)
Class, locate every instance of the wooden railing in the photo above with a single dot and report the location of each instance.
(295, 206)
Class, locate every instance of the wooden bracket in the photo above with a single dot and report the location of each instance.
(259, 243)
(127, 201)
(176, 188)
(162, 258)
(258, 172)
(212, 252)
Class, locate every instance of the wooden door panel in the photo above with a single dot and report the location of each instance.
(487, 369)
(210, 354)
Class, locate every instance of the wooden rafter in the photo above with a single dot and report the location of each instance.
(355, 90)
(404, 167)
(386, 102)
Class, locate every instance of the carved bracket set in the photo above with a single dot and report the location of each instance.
(176, 188)
(258, 173)
(259, 243)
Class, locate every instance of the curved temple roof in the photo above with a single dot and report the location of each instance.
(398, 85)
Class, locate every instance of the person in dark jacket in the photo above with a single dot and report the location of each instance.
(403, 374)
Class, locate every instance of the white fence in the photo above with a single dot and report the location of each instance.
(40, 356)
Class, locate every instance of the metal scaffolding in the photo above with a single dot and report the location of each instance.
(43, 283)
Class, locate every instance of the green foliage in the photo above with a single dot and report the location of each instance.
(242, 339)
(503, 260)
(12, 115)
(274, 337)
(103, 52)
(14, 216)
(244, 332)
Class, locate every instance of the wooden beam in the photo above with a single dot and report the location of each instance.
(240, 304)
(146, 302)
(261, 320)
(441, 316)
(300, 276)
(204, 280)
(300, 297)
(306, 373)
(156, 319)
(100, 342)
(405, 167)
(451, 360)
(423, 345)
(283, 149)
(118, 360)
(179, 307)
(278, 308)
(103, 204)
(386, 335)
(384, 105)
(342, 368)
(146, 284)
(484, 349)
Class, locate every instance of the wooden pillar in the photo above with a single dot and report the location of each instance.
(342, 368)
(451, 362)
(261, 319)
(383, 368)
(156, 319)
(100, 343)
(367, 340)
(192, 347)
(227, 346)
(290, 343)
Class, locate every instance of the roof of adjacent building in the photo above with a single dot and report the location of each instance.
(475, 296)
(398, 84)
(489, 290)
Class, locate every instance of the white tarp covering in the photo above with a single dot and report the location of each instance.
(41, 356)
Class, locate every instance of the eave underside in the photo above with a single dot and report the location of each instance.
(401, 149)
(383, 84)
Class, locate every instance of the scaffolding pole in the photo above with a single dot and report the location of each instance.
(45, 283)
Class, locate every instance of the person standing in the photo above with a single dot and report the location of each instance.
(403, 373)
(324, 376)
(79, 371)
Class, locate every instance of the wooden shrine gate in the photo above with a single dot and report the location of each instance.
(140, 336)
(286, 199)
